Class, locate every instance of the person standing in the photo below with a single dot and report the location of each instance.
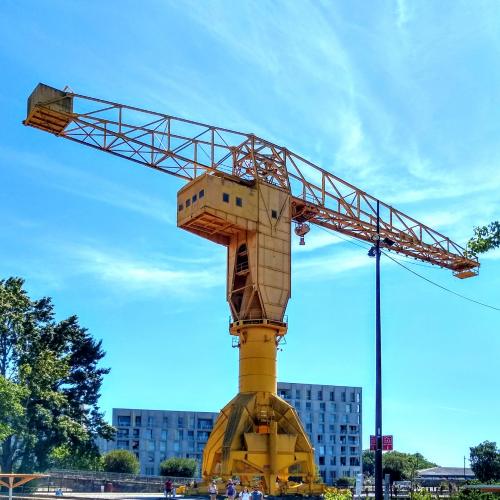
(257, 494)
(230, 490)
(168, 488)
(212, 491)
(244, 494)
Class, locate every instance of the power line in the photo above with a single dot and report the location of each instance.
(441, 286)
(398, 262)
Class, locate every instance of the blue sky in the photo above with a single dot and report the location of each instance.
(399, 98)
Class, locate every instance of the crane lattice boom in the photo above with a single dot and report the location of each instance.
(188, 149)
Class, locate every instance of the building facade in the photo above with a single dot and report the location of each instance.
(331, 416)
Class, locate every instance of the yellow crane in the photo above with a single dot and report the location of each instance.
(245, 192)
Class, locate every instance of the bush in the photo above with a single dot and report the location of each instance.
(345, 482)
(123, 461)
(178, 467)
(336, 494)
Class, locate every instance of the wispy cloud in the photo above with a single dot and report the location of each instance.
(328, 265)
(72, 180)
(149, 275)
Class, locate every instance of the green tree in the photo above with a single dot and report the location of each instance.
(62, 457)
(123, 461)
(368, 462)
(399, 465)
(178, 467)
(485, 461)
(52, 373)
(485, 238)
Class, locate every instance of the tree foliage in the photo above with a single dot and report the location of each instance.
(399, 465)
(485, 238)
(49, 372)
(123, 461)
(485, 461)
(178, 467)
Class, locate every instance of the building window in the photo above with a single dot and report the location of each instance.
(308, 394)
(149, 471)
(225, 197)
(297, 394)
(163, 446)
(176, 446)
(149, 433)
(332, 396)
(180, 422)
(297, 404)
(309, 427)
(353, 450)
(190, 436)
(122, 433)
(123, 420)
(353, 429)
(135, 433)
(239, 202)
(151, 421)
(357, 408)
(180, 435)
(308, 405)
(343, 397)
(205, 423)
(357, 397)
(181, 206)
(343, 429)
(190, 445)
(151, 446)
(203, 436)
(321, 460)
(135, 444)
(194, 198)
(321, 450)
(320, 395)
(164, 434)
(122, 444)
(333, 461)
(352, 397)
(343, 461)
(333, 406)
(342, 449)
(348, 408)
(322, 406)
(274, 214)
(343, 439)
(201, 194)
(322, 428)
(354, 461)
(333, 438)
(165, 421)
(191, 422)
(319, 438)
(188, 203)
(322, 417)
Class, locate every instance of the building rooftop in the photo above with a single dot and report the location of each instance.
(445, 472)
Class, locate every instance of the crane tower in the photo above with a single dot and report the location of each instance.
(244, 193)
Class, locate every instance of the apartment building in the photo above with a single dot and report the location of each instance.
(331, 416)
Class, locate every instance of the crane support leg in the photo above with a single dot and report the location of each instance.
(258, 436)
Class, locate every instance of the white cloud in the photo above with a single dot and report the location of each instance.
(83, 184)
(148, 275)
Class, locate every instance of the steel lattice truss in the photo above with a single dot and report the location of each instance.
(187, 149)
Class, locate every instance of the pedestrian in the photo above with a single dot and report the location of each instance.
(230, 490)
(174, 489)
(256, 493)
(168, 488)
(212, 491)
(244, 494)
(195, 486)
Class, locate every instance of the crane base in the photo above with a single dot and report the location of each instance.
(259, 439)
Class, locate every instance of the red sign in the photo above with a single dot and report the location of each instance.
(386, 443)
